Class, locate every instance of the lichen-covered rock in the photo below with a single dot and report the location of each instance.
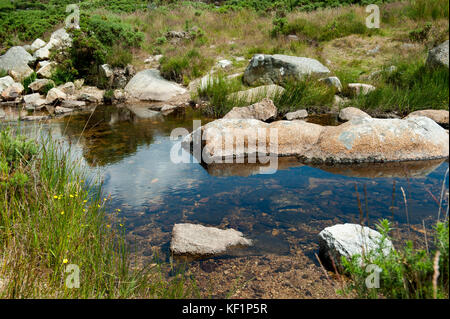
(148, 85)
(263, 111)
(59, 110)
(35, 102)
(37, 44)
(55, 95)
(90, 94)
(275, 69)
(40, 85)
(439, 116)
(47, 70)
(360, 140)
(68, 88)
(15, 59)
(348, 113)
(20, 73)
(198, 240)
(333, 81)
(438, 56)
(6, 82)
(12, 92)
(360, 88)
(347, 240)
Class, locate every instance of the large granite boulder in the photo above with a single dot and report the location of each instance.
(263, 111)
(15, 57)
(348, 240)
(275, 69)
(12, 92)
(149, 85)
(438, 56)
(198, 240)
(359, 140)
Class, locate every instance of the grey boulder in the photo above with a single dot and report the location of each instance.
(275, 69)
(348, 240)
(149, 85)
(198, 240)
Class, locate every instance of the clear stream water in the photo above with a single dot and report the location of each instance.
(132, 156)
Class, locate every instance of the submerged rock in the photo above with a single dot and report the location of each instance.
(347, 240)
(144, 112)
(198, 240)
(348, 113)
(149, 85)
(275, 69)
(263, 111)
(34, 101)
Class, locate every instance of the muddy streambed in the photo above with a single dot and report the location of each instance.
(282, 213)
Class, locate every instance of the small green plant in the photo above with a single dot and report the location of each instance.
(407, 272)
(420, 34)
(161, 40)
(307, 93)
(119, 56)
(412, 86)
(27, 81)
(185, 66)
(3, 73)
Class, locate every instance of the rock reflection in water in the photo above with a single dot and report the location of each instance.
(416, 169)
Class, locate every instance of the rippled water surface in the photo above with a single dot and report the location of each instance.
(287, 208)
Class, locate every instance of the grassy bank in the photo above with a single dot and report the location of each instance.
(52, 217)
(409, 272)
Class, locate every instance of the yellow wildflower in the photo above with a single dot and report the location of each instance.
(65, 261)
(62, 213)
